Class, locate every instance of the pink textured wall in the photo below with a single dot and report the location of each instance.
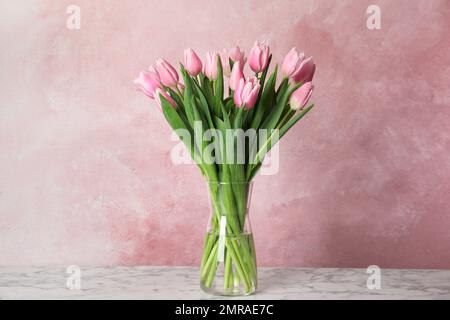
(85, 170)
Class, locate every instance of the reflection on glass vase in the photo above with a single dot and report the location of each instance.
(228, 265)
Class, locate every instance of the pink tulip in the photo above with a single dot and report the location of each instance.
(211, 65)
(305, 71)
(258, 58)
(246, 93)
(292, 62)
(167, 73)
(253, 80)
(225, 60)
(236, 75)
(301, 96)
(163, 93)
(192, 62)
(148, 82)
(236, 55)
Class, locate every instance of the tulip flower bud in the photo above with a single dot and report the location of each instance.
(159, 93)
(300, 97)
(167, 73)
(236, 55)
(258, 58)
(246, 93)
(148, 82)
(305, 71)
(225, 60)
(292, 62)
(211, 65)
(236, 75)
(192, 62)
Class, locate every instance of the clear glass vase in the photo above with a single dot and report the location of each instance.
(228, 265)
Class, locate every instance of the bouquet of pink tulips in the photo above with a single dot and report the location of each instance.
(215, 109)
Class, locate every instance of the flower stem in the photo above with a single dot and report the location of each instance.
(238, 264)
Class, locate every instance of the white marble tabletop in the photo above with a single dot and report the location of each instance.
(182, 283)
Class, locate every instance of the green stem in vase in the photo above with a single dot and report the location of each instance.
(228, 271)
(209, 242)
(209, 261)
(239, 269)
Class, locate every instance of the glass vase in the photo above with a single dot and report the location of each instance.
(228, 264)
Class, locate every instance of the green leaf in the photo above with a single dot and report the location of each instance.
(274, 115)
(176, 97)
(226, 118)
(266, 100)
(201, 143)
(294, 120)
(218, 89)
(220, 123)
(176, 123)
(262, 83)
(204, 107)
(268, 144)
(253, 169)
(199, 116)
(209, 94)
(237, 123)
(282, 88)
(218, 83)
(229, 106)
(188, 95)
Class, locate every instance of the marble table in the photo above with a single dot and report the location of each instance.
(182, 283)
